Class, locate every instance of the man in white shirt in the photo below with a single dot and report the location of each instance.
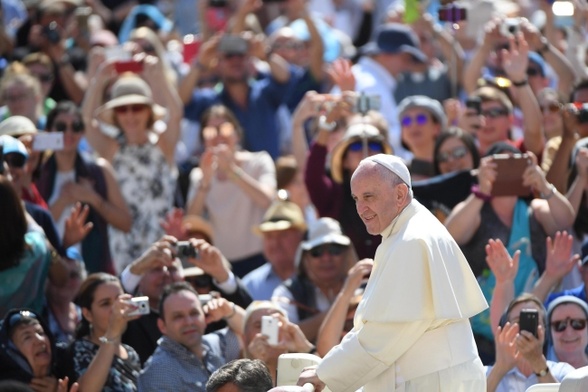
(391, 53)
(411, 330)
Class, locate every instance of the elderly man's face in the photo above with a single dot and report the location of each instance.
(279, 247)
(376, 198)
(153, 281)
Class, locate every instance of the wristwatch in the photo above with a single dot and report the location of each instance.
(543, 372)
(104, 339)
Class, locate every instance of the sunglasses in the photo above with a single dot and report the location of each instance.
(44, 78)
(229, 56)
(552, 107)
(533, 72)
(15, 160)
(201, 281)
(16, 318)
(137, 108)
(358, 146)
(495, 112)
(419, 119)
(456, 153)
(561, 325)
(75, 126)
(332, 249)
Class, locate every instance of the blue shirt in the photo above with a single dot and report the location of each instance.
(261, 282)
(259, 118)
(174, 368)
(515, 381)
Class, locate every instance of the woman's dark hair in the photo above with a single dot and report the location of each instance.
(466, 138)
(85, 297)
(13, 227)
(63, 107)
(224, 112)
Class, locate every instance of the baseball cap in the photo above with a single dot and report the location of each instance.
(13, 146)
(325, 231)
(395, 38)
(422, 101)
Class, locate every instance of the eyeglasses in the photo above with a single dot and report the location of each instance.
(373, 146)
(561, 325)
(420, 119)
(137, 108)
(495, 112)
(18, 317)
(533, 72)
(332, 249)
(76, 126)
(552, 107)
(456, 153)
(15, 160)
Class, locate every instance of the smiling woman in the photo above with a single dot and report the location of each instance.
(29, 353)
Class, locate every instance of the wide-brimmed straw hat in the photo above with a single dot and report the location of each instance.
(354, 133)
(129, 90)
(281, 215)
(195, 223)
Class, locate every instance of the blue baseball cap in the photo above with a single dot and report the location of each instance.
(332, 46)
(13, 146)
(395, 38)
(536, 58)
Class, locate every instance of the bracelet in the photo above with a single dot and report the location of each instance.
(105, 340)
(521, 83)
(550, 194)
(232, 313)
(543, 372)
(479, 194)
(327, 126)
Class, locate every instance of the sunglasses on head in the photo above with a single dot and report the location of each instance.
(19, 316)
(456, 153)
(373, 146)
(561, 325)
(419, 119)
(495, 112)
(136, 108)
(75, 126)
(15, 160)
(332, 249)
(552, 107)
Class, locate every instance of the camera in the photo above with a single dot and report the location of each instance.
(474, 103)
(217, 3)
(142, 304)
(452, 13)
(51, 32)
(270, 328)
(510, 26)
(184, 249)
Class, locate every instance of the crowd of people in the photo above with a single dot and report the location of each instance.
(172, 173)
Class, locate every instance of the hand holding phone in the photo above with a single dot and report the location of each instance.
(270, 328)
(529, 321)
(48, 141)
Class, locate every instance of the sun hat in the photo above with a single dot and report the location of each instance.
(353, 133)
(195, 223)
(129, 90)
(282, 215)
(422, 101)
(395, 38)
(17, 126)
(325, 231)
(393, 163)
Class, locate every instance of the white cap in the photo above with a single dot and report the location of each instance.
(394, 164)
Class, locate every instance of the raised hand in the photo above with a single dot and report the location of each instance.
(503, 266)
(560, 261)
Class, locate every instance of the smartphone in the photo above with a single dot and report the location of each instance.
(123, 66)
(117, 53)
(48, 141)
(563, 12)
(191, 48)
(474, 103)
(509, 174)
(452, 13)
(529, 321)
(364, 103)
(270, 328)
(142, 304)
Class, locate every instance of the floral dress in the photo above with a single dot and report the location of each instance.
(123, 373)
(148, 184)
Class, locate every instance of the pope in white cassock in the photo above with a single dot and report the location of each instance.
(411, 330)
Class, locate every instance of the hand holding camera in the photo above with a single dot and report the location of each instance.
(515, 59)
(160, 254)
(210, 259)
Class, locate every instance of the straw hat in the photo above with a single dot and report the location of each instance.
(129, 90)
(282, 215)
(17, 126)
(354, 133)
(195, 223)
